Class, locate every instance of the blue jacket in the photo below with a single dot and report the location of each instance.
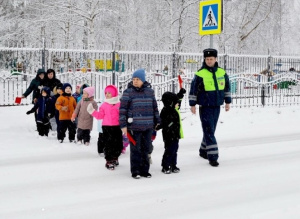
(43, 108)
(140, 105)
(216, 93)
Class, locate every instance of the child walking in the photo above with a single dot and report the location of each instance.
(66, 105)
(54, 121)
(43, 109)
(112, 134)
(139, 116)
(85, 120)
(171, 130)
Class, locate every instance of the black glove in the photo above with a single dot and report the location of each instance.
(29, 112)
(181, 93)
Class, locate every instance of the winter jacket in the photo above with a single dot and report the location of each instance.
(140, 105)
(210, 87)
(76, 96)
(43, 109)
(35, 86)
(170, 117)
(65, 100)
(85, 120)
(109, 113)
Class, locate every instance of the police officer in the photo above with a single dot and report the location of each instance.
(209, 89)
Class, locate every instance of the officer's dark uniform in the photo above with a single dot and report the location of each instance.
(209, 88)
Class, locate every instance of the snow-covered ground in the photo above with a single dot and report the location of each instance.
(258, 176)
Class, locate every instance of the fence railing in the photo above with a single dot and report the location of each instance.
(246, 91)
(255, 80)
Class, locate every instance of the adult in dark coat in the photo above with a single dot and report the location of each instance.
(36, 86)
(210, 88)
(50, 80)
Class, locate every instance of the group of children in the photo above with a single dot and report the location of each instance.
(134, 118)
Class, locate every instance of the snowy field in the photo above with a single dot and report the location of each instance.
(258, 176)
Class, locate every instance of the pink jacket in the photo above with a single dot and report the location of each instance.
(109, 113)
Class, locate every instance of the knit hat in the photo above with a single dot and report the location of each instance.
(90, 91)
(58, 86)
(111, 89)
(47, 90)
(65, 86)
(210, 53)
(140, 73)
(78, 86)
(82, 87)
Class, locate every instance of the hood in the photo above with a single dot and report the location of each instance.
(169, 99)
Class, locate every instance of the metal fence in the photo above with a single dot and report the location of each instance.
(255, 80)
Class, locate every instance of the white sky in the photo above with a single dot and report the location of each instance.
(258, 176)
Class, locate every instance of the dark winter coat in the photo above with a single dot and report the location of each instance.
(140, 105)
(207, 77)
(170, 119)
(35, 86)
(43, 108)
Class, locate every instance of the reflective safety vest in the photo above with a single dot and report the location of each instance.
(208, 80)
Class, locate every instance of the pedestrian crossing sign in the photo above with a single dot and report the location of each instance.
(210, 17)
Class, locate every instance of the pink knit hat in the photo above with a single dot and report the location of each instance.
(90, 91)
(111, 89)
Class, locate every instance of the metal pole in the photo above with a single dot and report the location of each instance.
(113, 68)
(211, 44)
(43, 55)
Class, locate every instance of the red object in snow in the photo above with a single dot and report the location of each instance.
(18, 100)
(130, 138)
(180, 81)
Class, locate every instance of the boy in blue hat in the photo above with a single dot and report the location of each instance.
(138, 117)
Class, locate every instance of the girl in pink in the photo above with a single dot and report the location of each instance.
(112, 134)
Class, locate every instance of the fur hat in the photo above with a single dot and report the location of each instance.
(140, 73)
(65, 86)
(210, 53)
(90, 91)
(111, 89)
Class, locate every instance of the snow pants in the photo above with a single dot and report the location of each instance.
(43, 128)
(112, 142)
(83, 134)
(139, 160)
(64, 126)
(209, 118)
(100, 143)
(170, 155)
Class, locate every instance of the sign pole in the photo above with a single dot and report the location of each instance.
(211, 44)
